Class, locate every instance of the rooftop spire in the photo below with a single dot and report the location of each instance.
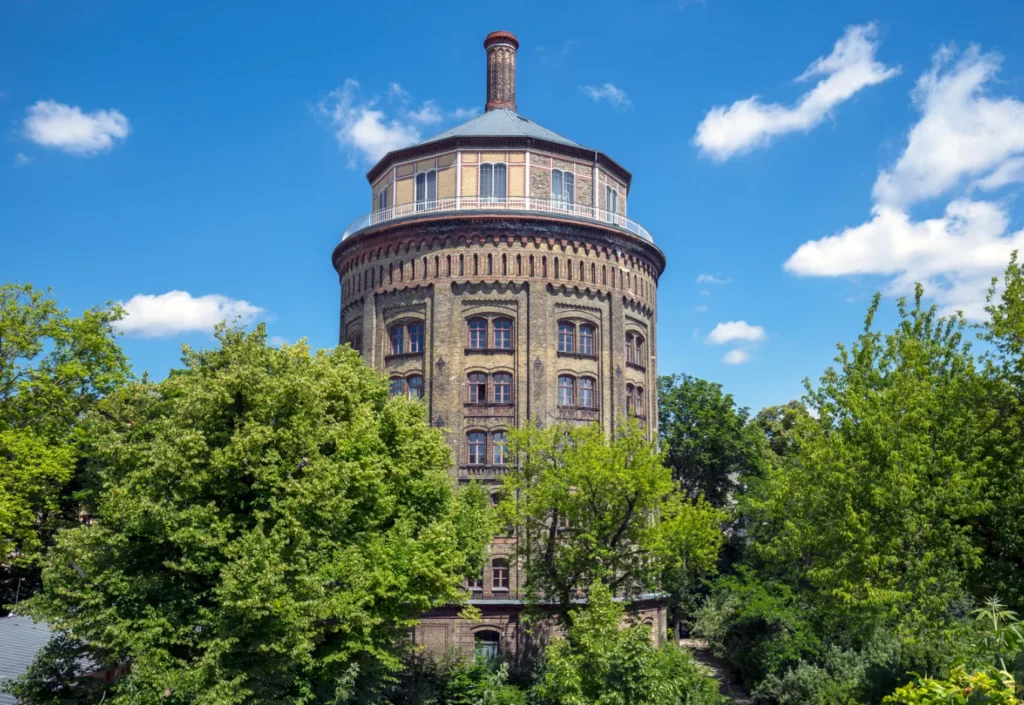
(501, 70)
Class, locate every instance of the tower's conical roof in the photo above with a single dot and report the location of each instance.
(503, 122)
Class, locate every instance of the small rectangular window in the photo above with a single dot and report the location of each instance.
(416, 338)
(382, 199)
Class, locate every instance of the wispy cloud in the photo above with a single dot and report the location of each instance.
(736, 356)
(154, 316)
(69, 129)
(965, 140)
(748, 124)
(732, 331)
(545, 53)
(712, 279)
(463, 113)
(701, 308)
(21, 159)
(610, 92)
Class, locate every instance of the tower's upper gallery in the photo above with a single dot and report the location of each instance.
(500, 125)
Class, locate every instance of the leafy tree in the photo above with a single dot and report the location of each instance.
(271, 523)
(1000, 532)
(588, 509)
(870, 518)
(703, 432)
(53, 368)
(778, 425)
(961, 688)
(600, 663)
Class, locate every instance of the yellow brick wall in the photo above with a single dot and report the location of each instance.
(446, 160)
(404, 191)
(469, 157)
(446, 183)
(425, 165)
(469, 181)
(517, 181)
(405, 170)
(492, 157)
(517, 157)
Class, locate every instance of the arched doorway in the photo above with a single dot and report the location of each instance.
(486, 645)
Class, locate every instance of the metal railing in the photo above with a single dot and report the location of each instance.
(530, 205)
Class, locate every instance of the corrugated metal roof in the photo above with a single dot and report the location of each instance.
(502, 123)
(20, 641)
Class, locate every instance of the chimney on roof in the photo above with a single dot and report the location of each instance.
(501, 70)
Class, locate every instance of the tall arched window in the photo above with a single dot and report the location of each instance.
(397, 386)
(415, 337)
(587, 398)
(415, 384)
(477, 333)
(499, 448)
(566, 337)
(586, 339)
(477, 391)
(503, 334)
(501, 382)
(566, 390)
(499, 574)
(397, 334)
(492, 182)
(476, 442)
(630, 400)
(426, 190)
(639, 410)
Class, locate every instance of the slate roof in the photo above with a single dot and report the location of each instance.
(503, 123)
(20, 640)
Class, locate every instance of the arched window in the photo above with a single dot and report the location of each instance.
(566, 337)
(499, 453)
(492, 182)
(477, 388)
(499, 574)
(503, 334)
(397, 334)
(397, 386)
(587, 398)
(426, 190)
(415, 337)
(477, 333)
(415, 384)
(638, 350)
(638, 393)
(566, 390)
(502, 385)
(563, 188)
(476, 584)
(476, 441)
(630, 400)
(586, 339)
(486, 646)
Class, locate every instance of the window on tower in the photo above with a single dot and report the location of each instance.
(492, 182)
(503, 334)
(563, 188)
(415, 337)
(502, 382)
(426, 190)
(477, 333)
(566, 390)
(476, 442)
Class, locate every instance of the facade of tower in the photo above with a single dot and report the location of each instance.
(498, 277)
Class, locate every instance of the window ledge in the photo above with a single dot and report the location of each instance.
(577, 356)
(636, 366)
(488, 404)
(494, 589)
(489, 351)
(402, 356)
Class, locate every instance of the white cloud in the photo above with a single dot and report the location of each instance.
(463, 113)
(428, 114)
(65, 127)
(954, 256)
(153, 316)
(277, 341)
(964, 140)
(610, 92)
(736, 357)
(735, 330)
(962, 133)
(701, 308)
(747, 124)
(21, 159)
(544, 53)
(712, 279)
(360, 125)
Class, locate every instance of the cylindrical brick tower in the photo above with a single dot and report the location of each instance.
(498, 278)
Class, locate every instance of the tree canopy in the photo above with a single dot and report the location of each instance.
(270, 524)
(53, 368)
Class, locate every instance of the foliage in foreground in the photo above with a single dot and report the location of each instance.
(53, 368)
(587, 509)
(600, 663)
(271, 522)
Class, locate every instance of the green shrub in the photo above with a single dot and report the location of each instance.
(961, 688)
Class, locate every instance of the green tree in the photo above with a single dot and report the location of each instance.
(1001, 532)
(778, 425)
(591, 509)
(870, 518)
(53, 368)
(703, 433)
(270, 526)
(600, 663)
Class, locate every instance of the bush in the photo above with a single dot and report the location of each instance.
(961, 688)
(452, 680)
(600, 664)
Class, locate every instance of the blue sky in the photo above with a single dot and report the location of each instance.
(219, 149)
